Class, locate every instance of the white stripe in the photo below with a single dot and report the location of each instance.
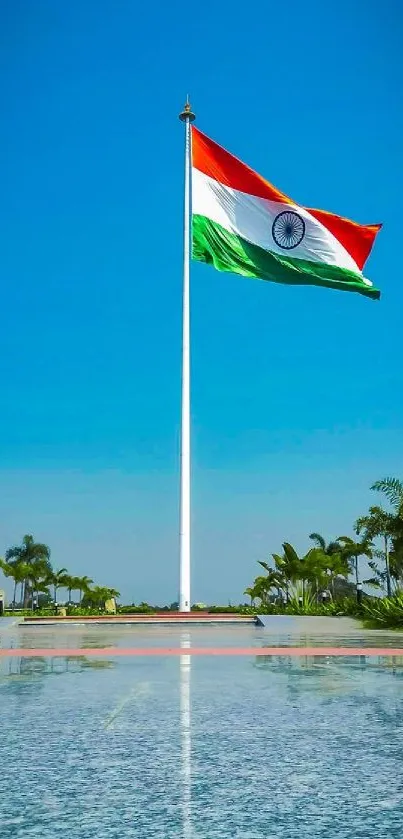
(252, 219)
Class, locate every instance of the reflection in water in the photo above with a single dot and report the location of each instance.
(331, 678)
(217, 748)
(186, 741)
(22, 670)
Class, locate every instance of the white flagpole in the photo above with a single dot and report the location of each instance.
(186, 116)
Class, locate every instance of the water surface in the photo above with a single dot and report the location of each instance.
(209, 748)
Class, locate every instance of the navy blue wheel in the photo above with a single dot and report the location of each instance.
(288, 230)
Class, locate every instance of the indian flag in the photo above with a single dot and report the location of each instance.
(241, 223)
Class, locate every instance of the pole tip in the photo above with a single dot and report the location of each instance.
(187, 113)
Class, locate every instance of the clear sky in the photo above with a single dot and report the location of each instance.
(297, 392)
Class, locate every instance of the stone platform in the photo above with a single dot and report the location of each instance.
(182, 618)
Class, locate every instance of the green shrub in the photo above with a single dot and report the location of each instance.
(142, 609)
(385, 612)
(28, 613)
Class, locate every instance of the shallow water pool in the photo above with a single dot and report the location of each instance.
(213, 747)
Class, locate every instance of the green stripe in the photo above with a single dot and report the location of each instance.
(228, 252)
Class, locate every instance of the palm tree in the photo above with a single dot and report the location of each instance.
(38, 576)
(273, 579)
(328, 548)
(352, 551)
(392, 488)
(28, 553)
(309, 569)
(337, 566)
(396, 563)
(260, 590)
(112, 592)
(69, 583)
(57, 579)
(337, 569)
(8, 571)
(99, 595)
(378, 522)
(21, 573)
(251, 592)
(83, 584)
(316, 566)
(288, 567)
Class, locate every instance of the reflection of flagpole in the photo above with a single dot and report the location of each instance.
(187, 116)
(186, 740)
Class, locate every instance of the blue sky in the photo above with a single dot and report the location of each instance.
(297, 393)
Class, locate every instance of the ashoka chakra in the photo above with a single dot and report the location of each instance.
(288, 230)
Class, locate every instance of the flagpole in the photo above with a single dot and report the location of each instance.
(186, 116)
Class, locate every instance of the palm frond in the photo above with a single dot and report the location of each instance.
(361, 524)
(265, 565)
(333, 548)
(392, 488)
(373, 582)
(320, 542)
(290, 552)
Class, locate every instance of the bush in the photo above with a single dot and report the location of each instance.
(385, 612)
(343, 607)
(28, 613)
(142, 609)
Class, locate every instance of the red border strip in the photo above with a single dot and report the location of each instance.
(112, 652)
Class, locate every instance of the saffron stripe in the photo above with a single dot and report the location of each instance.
(212, 160)
(357, 239)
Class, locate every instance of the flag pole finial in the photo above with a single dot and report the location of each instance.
(187, 113)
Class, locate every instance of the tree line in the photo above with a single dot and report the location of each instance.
(322, 573)
(35, 579)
